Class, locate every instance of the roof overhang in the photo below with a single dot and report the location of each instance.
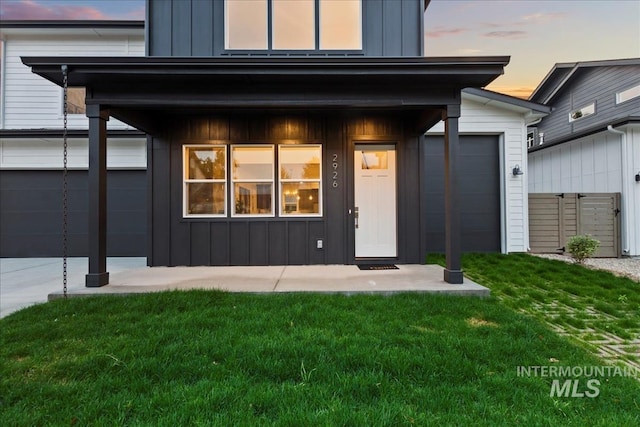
(133, 85)
(531, 111)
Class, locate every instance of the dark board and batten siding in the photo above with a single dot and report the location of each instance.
(276, 241)
(196, 28)
(599, 85)
(31, 213)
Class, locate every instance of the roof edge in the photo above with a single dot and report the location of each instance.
(576, 65)
(508, 99)
(72, 24)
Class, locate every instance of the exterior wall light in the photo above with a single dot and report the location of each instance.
(638, 177)
(517, 171)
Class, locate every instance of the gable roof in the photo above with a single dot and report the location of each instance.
(531, 110)
(562, 73)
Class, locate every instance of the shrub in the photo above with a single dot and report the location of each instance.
(582, 247)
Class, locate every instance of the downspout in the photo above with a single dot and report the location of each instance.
(625, 186)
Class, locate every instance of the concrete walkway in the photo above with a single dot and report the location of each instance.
(28, 281)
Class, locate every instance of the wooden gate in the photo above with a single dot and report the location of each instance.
(553, 218)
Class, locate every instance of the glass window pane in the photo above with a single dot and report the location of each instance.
(253, 163)
(300, 198)
(300, 162)
(253, 198)
(206, 163)
(205, 198)
(340, 24)
(293, 24)
(75, 100)
(245, 24)
(375, 160)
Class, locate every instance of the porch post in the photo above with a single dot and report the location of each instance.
(453, 269)
(98, 275)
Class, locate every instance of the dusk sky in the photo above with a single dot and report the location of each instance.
(536, 34)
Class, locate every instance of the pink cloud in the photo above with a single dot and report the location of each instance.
(33, 10)
(441, 32)
(506, 34)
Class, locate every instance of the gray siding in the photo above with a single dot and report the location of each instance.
(277, 241)
(31, 213)
(599, 85)
(196, 28)
(479, 190)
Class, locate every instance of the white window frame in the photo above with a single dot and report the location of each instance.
(281, 181)
(186, 180)
(628, 94)
(233, 182)
(584, 114)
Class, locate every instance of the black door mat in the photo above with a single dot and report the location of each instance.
(377, 267)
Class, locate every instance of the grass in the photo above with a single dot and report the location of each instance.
(584, 302)
(214, 358)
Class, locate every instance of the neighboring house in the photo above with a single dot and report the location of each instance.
(31, 144)
(588, 150)
(273, 140)
(493, 130)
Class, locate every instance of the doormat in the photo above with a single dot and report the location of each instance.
(377, 267)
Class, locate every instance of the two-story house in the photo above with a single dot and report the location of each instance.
(31, 144)
(586, 154)
(279, 132)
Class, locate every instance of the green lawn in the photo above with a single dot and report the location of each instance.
(214, 358)
(594, 307)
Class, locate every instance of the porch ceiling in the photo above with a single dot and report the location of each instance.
(136, 90)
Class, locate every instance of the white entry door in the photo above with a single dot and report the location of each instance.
(375, 201)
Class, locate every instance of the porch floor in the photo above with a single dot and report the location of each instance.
(28, 281)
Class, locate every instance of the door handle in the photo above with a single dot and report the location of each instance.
(356, 215)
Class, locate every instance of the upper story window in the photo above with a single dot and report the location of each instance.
(293, 24)
(628, 94)
(75, 100)
(583, 112)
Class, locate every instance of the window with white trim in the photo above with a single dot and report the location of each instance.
(583, 112)
(252, 176)
(300, 169)
(628, 94)
(294, 24)
(205, 180)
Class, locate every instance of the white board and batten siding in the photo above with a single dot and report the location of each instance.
(30, 101)
(478, 119)
(598, 163)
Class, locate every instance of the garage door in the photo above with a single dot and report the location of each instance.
(479, 189)
(31, 213)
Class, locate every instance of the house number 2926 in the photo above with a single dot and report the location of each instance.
(334, 170)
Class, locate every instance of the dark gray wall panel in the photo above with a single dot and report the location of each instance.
(239, 243)
(219, 243)
(258, 239)
(200, 248)
(479, 191)
(316, 231)
(31, 213)
(277, 243)
(196, 27)
(159, 26)
(297, 244)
